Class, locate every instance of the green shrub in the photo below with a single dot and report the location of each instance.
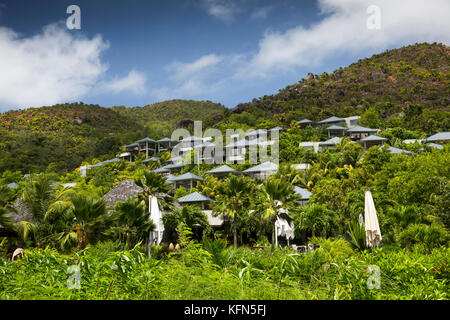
(424, 236)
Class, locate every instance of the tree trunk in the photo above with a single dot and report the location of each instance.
(81, 239)
(273, 235)
(128, 241)
(235, 229)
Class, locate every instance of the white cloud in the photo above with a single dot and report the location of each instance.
(134, 82)
(261, 13)
(55, 66)
(50, 67)
(222, 9)
(343, 30)
(204, 76)
(182, 70)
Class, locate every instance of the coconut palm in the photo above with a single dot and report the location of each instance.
(154, 185)
(5, 219)
(289, 173)
(190, 216)
(277, 197)
(133, 221)
(38, 193)
(343, 144)
(314, 218)
(24, 229)
(88, 217)
(233, 195)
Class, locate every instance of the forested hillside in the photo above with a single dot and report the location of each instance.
(162, 117)
(65, 135)
(407, 87)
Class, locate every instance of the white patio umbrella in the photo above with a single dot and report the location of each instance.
(373, 233)
(156, 217)
(283, 228)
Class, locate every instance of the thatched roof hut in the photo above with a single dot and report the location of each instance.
(20, 212)
(123, 191)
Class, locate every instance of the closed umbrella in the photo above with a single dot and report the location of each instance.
(156, 217)
(373, 233)
(284, 229)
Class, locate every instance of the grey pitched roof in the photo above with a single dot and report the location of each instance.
(12, 185)
(186, 176)
(194, 197)
(204, 145)
(122, 192)
(104, 162)
(361, 129)
(331, 119)
(304, 121)
(258, 131)
(69, 185)
(335, 127)
(239, 143)
(373, 138)
(165, 140)
(276, 129)
(145, 140)
(440, 136)
(192, 138)
(161, 170)
(151, 159)
(330, 142)
(175, 159)
(175, 165)
(435, 145)
(169, 178)
(394, 150)
(304, 194)
(266, 166)
(134, 144)
(222, 169)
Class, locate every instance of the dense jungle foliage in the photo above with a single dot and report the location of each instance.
(72, 225)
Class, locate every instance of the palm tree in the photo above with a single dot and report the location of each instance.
(133, 221)
(289, 173)
(88, 216)
(309, 177)
(154, 185)
(191, 216)
(277, 196)
(343, 144)
(38, 194)
(233, 196)
(5, 220)
(314, 218)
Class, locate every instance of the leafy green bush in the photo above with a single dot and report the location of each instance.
(427, 237)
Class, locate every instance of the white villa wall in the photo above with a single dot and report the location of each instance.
(310, 145)
(352, 121)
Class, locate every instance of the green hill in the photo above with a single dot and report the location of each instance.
(65, 135)
(163, 117)
(408, 87)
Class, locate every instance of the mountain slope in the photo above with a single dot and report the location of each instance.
(164, 116)
(410, 84)
(62, 135)
(65, 135)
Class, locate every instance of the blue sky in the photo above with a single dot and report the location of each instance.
(138, 52)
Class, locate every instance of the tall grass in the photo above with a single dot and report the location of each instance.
(212, 270)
